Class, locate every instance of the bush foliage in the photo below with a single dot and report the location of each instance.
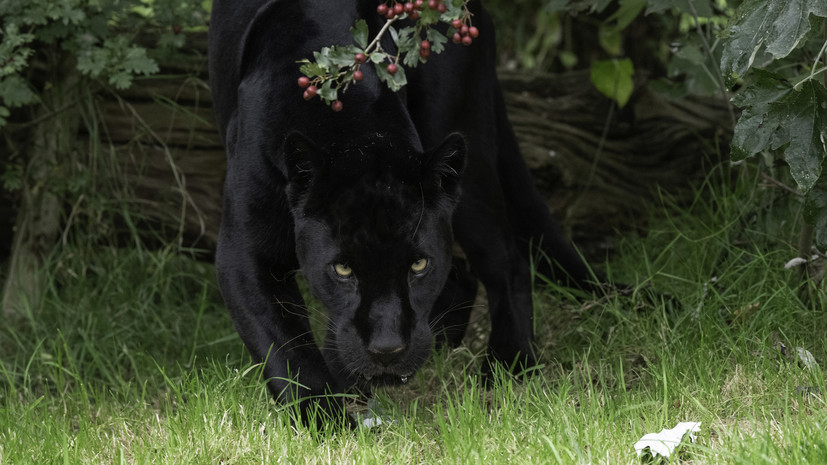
(771, 53)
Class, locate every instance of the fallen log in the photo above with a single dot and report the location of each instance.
(599, 167)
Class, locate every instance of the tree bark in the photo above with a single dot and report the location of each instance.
(39, 214)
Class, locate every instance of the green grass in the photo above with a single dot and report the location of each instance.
(132, 359)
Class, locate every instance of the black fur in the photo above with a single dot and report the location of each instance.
(391, 179)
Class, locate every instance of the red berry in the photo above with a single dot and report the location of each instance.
(304, 81)
(382, 9)
(473, 32)
(390, 14)
(414, 15)
(418, 4)
(456, 24)
(360, 58)
(336, 106)
(456, 38)
(398, 9)
(409, 7)
(424, 53)
(432, 4)
(310, 92)
(358, 76)
(425, 45)
(463, 30)
(441, 8)
(392, 68)
(466, 40)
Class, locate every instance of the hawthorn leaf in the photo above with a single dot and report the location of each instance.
(327, 92)
(359, 31)
(136, 61)
(428, 17)
(438, 40)
(16, 92)
(394, 81)
(121, 80)
(311, 69)
(778, 25)
(405, 40)
(378, 57)
(341, 56)
(412, 58)
(613, 78)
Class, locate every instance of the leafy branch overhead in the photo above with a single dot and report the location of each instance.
(99, 36)
(334, 68)
(784, 98)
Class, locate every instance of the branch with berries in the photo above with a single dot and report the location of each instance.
(335, 68)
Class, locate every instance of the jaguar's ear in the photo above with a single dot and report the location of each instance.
(304, 163)
(446, 163)
(303, 160)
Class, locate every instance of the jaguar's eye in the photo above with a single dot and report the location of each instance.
(419, 265)
(343, 271)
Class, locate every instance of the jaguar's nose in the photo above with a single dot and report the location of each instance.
(387, 351)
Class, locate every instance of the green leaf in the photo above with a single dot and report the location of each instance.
(137, 62)
(428, 16)
(15, 92)
(311, 69)
(378, 57)
(702, 9)
(406, 40)
(121, 80)
(360, 33)
(393, 81)
(764, 87)
(613, 78)
(334, 58)
(92, 61)
(779, 116)
(611, 39)
(626, 13)
(412, 59)
(328, 92)
(815, 211)
(438, 40)
(778, 25)
(803, 129)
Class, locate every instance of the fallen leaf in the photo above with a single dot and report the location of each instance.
(665, 442)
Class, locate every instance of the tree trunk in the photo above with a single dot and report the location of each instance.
(38, 223)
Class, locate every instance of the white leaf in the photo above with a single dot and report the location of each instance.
(806, 358)
(795, 262)
(371, 422)
(665, 442)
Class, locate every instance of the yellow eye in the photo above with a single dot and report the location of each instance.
(419, 265)
(343, 271)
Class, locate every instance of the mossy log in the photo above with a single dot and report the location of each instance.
(598, 167)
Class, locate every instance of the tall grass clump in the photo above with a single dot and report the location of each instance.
(131, 358)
